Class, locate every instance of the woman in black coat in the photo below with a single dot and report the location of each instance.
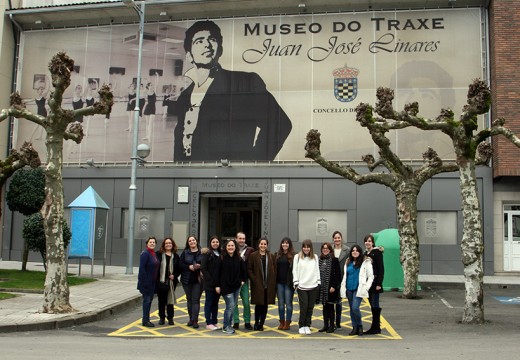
(329, 296)
(209, 267)
(376, 254)
(169, 270)
(148, 268)
(191, 279)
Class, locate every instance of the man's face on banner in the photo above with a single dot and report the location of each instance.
(204, 49)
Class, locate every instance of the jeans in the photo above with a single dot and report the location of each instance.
(285, 295)
(354, 303)
(307, 300)
(244, 295)
(147, 305)
(193, 293)
(231, 303)
(211, 307)
(373, 299)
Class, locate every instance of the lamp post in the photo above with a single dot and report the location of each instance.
(135, 157)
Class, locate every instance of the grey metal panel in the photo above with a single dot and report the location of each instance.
(104, 188)
(447, 267)
(121, 193)
(339, 194)
(305, 194)
(159, 193)
(350, 238)
(446, 194)
(279, 214)
(424, 199)
(293, 228)
(72, 188)
(425, 267)
(446, 253)
(375, 209)
(425, 251)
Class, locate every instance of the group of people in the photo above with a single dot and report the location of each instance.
(234, 269)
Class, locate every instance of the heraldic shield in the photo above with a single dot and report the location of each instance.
(345, 83)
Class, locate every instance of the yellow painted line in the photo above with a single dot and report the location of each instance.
(181, 330)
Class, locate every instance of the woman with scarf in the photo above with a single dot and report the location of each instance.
(169, 270)
(330, 275)
(261, 269)
(148, 267)
(209, 267)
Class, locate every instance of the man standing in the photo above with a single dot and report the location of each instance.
(224, 114)
(244, 252)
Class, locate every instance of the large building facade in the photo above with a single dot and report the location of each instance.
(227, 151)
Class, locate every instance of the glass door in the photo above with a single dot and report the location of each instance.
(511, 238)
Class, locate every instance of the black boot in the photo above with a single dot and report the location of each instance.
(360, 331)
(354, 331)
(326, 320)
(332, 316)
(376, 322)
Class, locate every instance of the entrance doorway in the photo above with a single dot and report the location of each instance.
(226, 214)
(512, 238)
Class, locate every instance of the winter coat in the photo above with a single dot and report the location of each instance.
(176, 271)
(209, 268)
(343, 255)
(148, 268)
(256, 279)
(379, 268)
(190, 258)
(334, 281)
(231, 274)
(366, 279)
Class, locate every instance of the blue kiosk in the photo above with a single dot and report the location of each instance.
(88, 224)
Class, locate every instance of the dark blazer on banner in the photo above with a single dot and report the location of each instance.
(235, 104)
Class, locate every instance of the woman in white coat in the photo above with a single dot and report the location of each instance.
(357, 279)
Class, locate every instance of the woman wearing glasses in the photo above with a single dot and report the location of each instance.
(330, 275)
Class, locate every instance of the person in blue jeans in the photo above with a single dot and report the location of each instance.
(231, 275)
(284, 283)
(355, 284)
(148, 269)
(210, 263)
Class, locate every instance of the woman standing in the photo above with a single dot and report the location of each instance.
(306, 280)
(169, 270)
(355, 284)
(148, 267)
(191, 280)
(284, 283)
(330, 275)
(341, 252)
(261, 269)
(231, 275)
(376, 254)
(209, 267)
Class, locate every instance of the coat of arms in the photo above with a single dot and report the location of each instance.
(345, 83)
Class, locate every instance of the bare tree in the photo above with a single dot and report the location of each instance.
(404, 180)
(59, 125)
(471, 149)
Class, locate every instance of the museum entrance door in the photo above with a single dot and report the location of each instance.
(226, 214)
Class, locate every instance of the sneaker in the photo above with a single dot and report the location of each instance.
(211, 327)
(301, 330)
(228, 330)
(235, 326)
(307, 330)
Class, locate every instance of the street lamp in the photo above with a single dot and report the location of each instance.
(135, 157)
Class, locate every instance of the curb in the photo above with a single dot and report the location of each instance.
(74, 319)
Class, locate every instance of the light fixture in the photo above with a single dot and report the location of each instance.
(163, 13)
(301, 5)
(38, 22)
(224, 162)
(90, 162)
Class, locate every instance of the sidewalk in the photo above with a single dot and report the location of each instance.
(93, 301)
(117, 291)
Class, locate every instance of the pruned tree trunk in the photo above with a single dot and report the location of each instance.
(406, 197)
(472, 246)
(56, 291)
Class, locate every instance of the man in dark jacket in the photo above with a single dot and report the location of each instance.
(224, 114)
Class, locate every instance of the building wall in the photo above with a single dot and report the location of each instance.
(505, 51)
(370, 208)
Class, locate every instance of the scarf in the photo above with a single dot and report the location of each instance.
(325, 273)
(172, 299)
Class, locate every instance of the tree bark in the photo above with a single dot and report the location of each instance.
(406, 198)
(472, 245)
(56, 291)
